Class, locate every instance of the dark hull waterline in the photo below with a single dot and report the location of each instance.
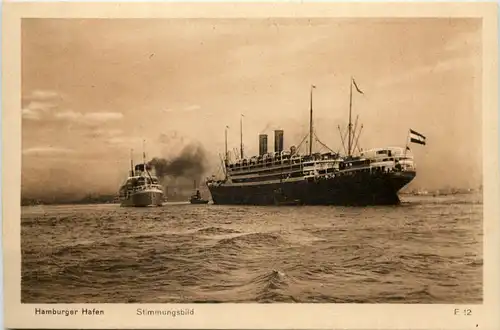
(357, 189)
(198, 201)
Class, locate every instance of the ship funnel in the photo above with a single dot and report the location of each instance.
(278, 141)
(262, 144)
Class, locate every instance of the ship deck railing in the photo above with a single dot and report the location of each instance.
(271, 158)
(278, 164)
(144, 187)
(378, 167)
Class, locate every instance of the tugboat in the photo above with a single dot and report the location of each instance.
(141, 188)
(196, 198)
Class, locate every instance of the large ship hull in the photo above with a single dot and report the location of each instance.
(143, 199)
(356, 189)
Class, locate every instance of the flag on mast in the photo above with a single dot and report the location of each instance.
(416, 137)
(356, 86)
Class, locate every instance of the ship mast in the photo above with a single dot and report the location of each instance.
(226, 154)
(352, 135)
(241, 136)
(225, 141)
(350, 122)
(144, 154)
(131, 162)
(145, 169)
(311, 120)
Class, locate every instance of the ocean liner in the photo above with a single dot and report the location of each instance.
(141, 188)
(287, 177)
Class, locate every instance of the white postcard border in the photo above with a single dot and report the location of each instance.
(270, 316)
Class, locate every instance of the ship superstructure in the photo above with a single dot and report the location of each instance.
(141, 188)
(371, 177)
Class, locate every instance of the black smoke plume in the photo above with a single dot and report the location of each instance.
(189, 165)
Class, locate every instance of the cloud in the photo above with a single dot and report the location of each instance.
(104, 116)
(104, 133)
(40, 103)
(91, 117)
(463, 42)
(31, 114)
(41, 151)
(192, 107)
(457, 53)
(41, 106)
(171, 138)
(426, 70)
(43, 95)
(121, 140)
(70, 115)
(34, 110)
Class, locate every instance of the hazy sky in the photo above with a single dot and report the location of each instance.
(93, 89)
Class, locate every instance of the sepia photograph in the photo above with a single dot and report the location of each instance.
(250, 160)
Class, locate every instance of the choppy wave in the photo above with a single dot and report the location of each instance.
(217, 231)
(424, 251)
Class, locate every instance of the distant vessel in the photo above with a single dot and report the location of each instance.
(141, 188)
(282, 177)
(196, 197)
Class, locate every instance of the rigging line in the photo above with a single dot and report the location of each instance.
(317, 138)
(358, 133)
(357, 138)
(300, 144)
(217, 172)
(324, 145)
(353, 133)
(321, 148)
(345, 134)
(342, 139)
(223, 167)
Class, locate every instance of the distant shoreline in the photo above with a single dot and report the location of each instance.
(178, 199)
(89, 201)
(440, 192)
